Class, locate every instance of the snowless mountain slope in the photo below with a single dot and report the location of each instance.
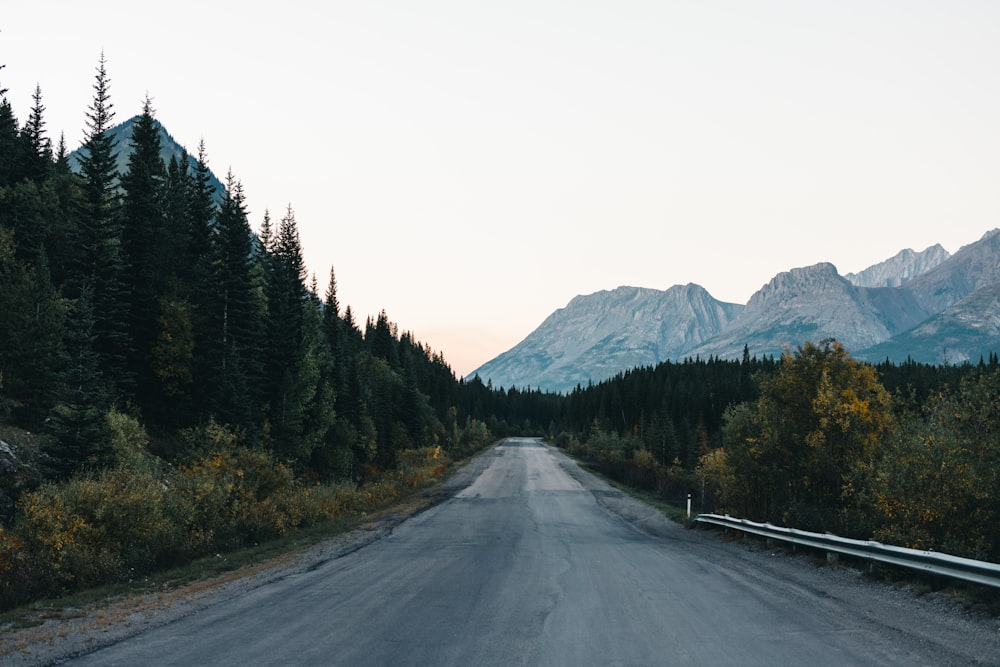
(929, 306)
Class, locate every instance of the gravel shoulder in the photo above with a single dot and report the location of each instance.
(939, 625)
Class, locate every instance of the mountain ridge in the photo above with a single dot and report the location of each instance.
(631, 325)
(899, 268)
(877, 311)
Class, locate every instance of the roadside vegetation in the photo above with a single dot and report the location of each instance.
(904, 454)
(134, 518)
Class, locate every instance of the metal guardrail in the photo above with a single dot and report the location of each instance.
(931, 562)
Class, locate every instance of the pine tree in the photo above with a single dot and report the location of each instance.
(266, 235)
(175, 240)
(22, 209)
(328, 434)
(100, 243)
(313, 387)
(142, 231)
(63, 225)
(30, 338)
(36, 147)
(172, 362)
(286, 297)
(9, 145)
(78, 418)
(234, 316)
(203, 208)
(199, 194)
(200, 281)
(333, 329)
(173, 351)
(381, 339)
(331, 305)
(62, 155)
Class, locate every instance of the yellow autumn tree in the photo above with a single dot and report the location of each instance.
(936, 484)
(789, 455)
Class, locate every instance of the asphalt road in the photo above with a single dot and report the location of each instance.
(528, 565)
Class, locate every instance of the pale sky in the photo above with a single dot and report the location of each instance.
(470, 167)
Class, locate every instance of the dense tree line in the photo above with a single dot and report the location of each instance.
(148, 292)
(193, 390)
(674, 408)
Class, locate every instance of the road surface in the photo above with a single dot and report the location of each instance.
(527, 566)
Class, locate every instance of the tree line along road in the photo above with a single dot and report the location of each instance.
(533, 561)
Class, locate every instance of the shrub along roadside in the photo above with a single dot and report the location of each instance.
(126, 522)
(627, 461)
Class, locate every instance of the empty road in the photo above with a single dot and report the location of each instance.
(526, 565)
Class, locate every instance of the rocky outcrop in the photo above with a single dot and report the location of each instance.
(973, 267)
(900, 268)
(813, 303)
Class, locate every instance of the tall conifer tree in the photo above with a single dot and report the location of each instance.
(30, 336)
(82, 400)
(142, 240)
(100, 243)
(333, 329)
(286, 298)
(235, 314)
(36, 147)
(176, 239)
(9, 143)
(64, 226)
(200, 280)
(203, 210)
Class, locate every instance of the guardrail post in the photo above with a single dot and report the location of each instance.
(832, 557)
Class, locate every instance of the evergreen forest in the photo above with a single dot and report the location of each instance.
(174, 386)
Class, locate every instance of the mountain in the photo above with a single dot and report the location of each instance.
(122, 135)
(973, 267)
(896, 270)
(599, 334)
(813, 303)
(929, 306)
(960, 294)
(966, 331)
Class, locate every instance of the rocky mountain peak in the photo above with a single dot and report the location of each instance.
(973, 267)
(900, 268)
(797, 286)
(916, 305)
(596, 335)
